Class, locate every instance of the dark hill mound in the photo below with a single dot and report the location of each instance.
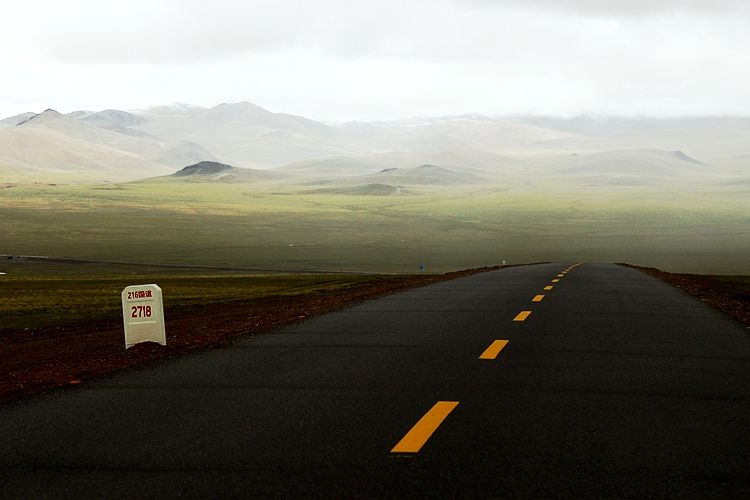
(212, 171)
(204, 168)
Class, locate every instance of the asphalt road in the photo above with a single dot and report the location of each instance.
(615, 385)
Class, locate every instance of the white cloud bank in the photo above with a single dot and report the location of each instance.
(340, 60)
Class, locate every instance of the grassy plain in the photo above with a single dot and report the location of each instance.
(275, 227)
(31, 301)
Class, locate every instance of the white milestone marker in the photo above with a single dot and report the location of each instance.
(143, 315)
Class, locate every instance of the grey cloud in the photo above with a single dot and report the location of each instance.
(171, 31)
(188, 31)
(481, 55)
(618, 8)
(193, 30)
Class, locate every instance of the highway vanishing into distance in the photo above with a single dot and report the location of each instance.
(552, 380)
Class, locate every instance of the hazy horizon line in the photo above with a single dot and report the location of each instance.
(599, 115)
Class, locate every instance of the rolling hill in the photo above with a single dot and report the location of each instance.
(450, 133)
(39, 154)
(461, 150)
(247, 135)
(14, 120)
(628, 167)
(424, 175)
(210, 171)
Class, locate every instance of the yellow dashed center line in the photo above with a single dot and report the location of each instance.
(494, 349)
(522, 316)
(416, 438)
(413, 441)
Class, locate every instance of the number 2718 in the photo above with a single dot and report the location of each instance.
(140, 311)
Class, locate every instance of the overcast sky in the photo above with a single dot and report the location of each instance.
(337, 60)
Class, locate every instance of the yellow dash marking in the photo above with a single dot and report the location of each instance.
(494, 349)
(522, 316)
(555, 281)
(537, 298)
(560, 275)
(413, 441)
(548, 287)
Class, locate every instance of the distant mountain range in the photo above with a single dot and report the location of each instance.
(256, 145)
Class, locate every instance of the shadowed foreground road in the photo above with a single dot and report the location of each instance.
(606, 383)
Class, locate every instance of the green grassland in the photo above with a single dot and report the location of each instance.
(30, 301)
(268, 226)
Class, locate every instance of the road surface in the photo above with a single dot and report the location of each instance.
(604, 383)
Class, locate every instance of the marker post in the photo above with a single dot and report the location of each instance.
(143, 315)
